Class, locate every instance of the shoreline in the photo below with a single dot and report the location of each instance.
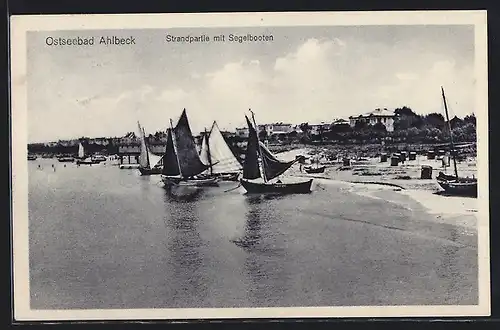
(401, 185)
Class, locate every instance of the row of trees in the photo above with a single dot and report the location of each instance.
(408, 127)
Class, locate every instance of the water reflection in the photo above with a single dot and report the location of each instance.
(183, 193)
(262, 265)
(185, 251)
(252, 235)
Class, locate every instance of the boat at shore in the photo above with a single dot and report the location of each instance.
(459, 186)
(147, 158)
(314, 169)
(261, 169)
(215, 153)
(182, 165)
(454, 184)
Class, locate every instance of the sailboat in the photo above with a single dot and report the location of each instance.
(147, 158)
(216, 153)
(261, 167)
(181, 162)
(453, 184)
(82, 160)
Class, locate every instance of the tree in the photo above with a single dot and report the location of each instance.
(379, 127)
(406, 118)
(263, 134)
(405, 111)
(470, 119)
(305, 128)
(360, 125)
(293, 135)
(435, 120)
(321, 130)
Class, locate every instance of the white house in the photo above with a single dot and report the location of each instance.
(271, 129)
(316, 129)
(383, 116)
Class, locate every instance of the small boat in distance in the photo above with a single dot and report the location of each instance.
(66, 159)
(182, 165)
(216, 153)
(455, 185)
(32, 157)
(261, 167)
(147, 158)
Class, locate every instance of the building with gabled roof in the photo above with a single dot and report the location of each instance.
(383, 116)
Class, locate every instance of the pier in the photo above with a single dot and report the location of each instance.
(129, 154)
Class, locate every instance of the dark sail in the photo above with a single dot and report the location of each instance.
(272, 165)
(169, 160)
(251, 165)
(189, 160)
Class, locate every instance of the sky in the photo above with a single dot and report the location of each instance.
(306, 74)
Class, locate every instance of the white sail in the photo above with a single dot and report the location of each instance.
(154, 159)
(221, 155)
(143, 157)
(81, 152)
(204, 151)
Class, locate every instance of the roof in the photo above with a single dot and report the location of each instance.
(378, 113)
(341, 121)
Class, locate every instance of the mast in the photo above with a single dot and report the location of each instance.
(451, 134)
(145, 143)
(209, 155)
(264, 176)
(175, 147)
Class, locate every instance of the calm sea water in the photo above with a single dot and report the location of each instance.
(101, 237)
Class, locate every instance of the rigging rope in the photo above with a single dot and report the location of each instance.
(239, 185)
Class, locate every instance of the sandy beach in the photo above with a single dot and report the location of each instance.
(400, 184)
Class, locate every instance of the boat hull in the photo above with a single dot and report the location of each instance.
(150, 171)
(85, 162)
(229, 176)
(203, 182)
(458, 187)
(129, 166)
(277, 188)
(66, 160)
(311, 170)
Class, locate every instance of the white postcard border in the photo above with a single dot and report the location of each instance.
(21, 24)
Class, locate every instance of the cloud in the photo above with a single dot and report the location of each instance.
(319, 80)
(407, 75)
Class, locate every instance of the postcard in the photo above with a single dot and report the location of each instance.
(250, 165)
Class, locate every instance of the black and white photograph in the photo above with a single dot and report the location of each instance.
(250, 165)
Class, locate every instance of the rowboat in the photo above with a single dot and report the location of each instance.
(314, 170)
